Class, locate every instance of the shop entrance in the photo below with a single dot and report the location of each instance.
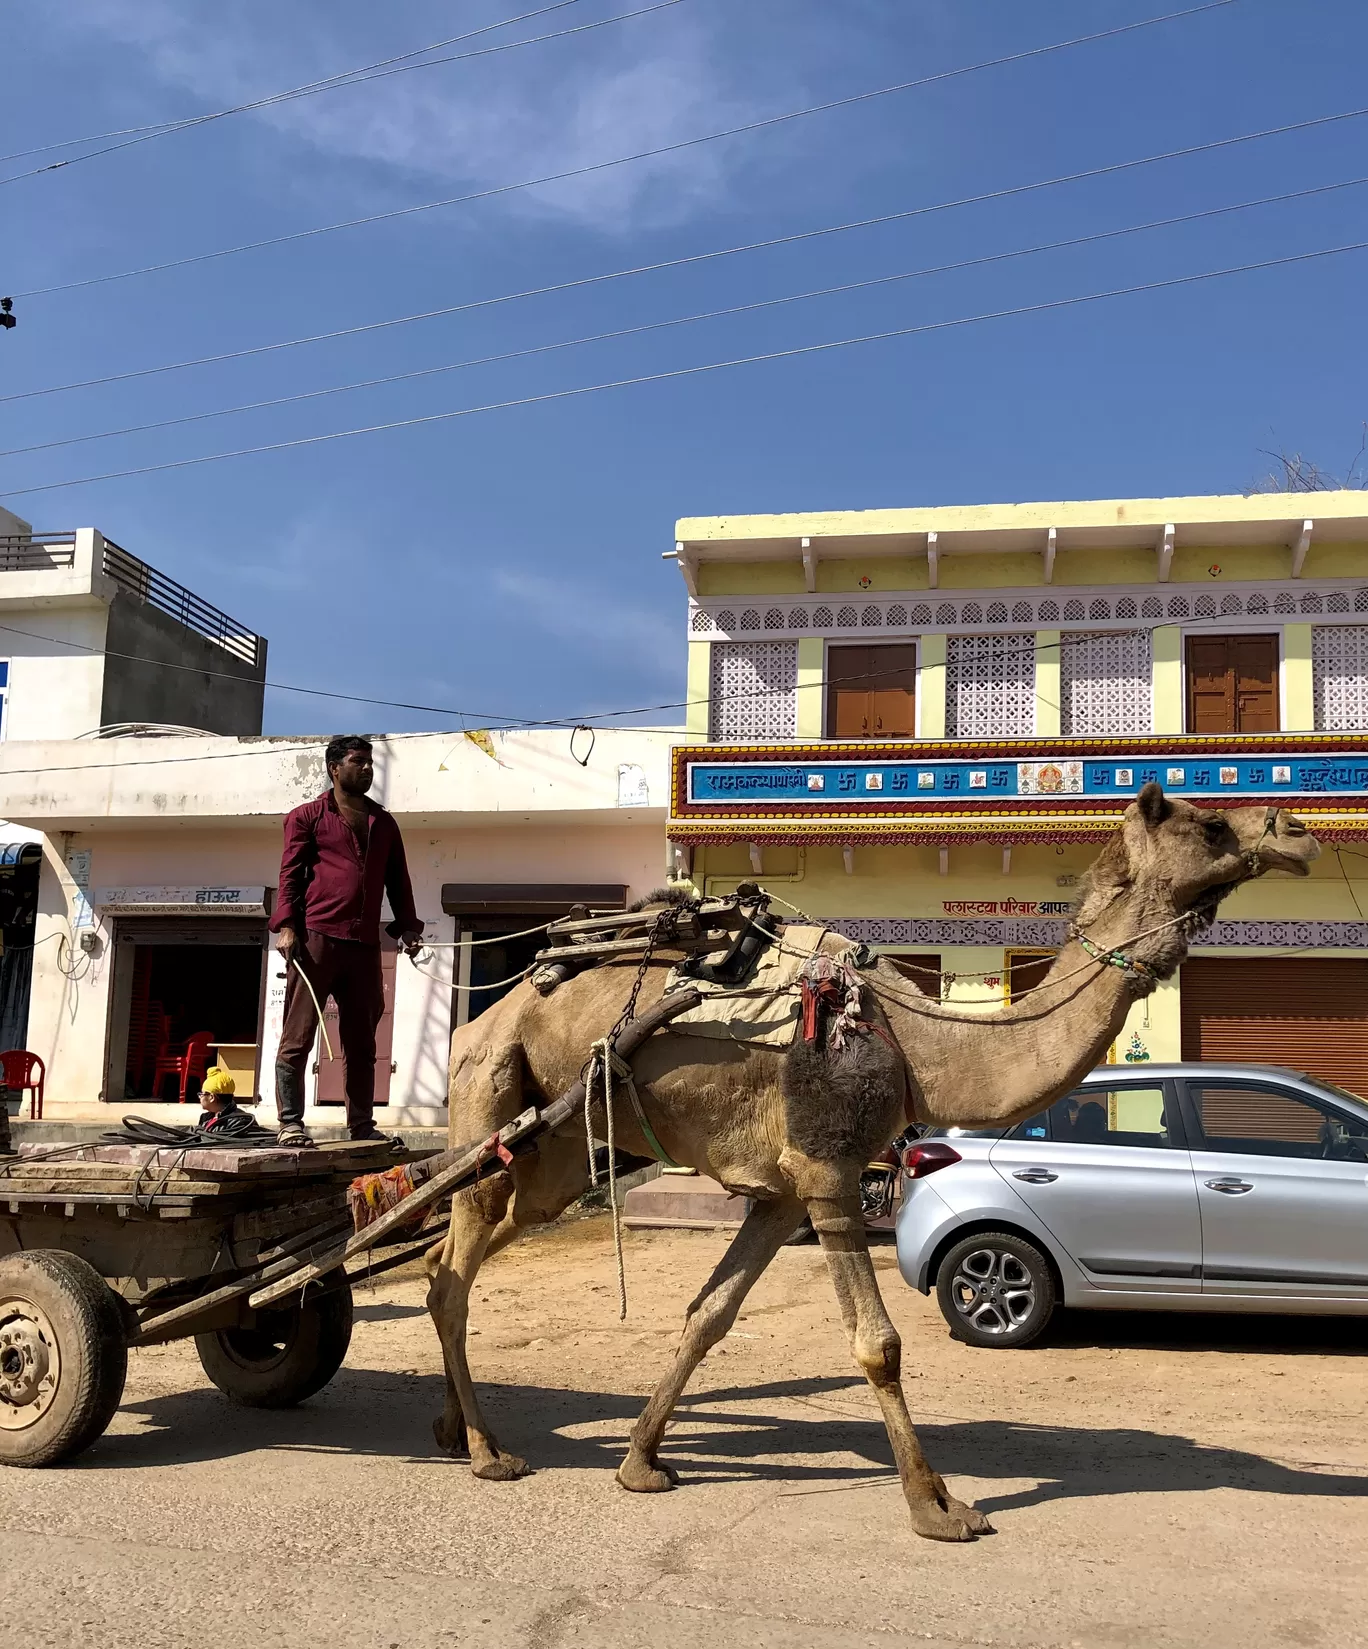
(184, 986)
(492, 945)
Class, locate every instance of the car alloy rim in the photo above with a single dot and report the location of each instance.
(30, 1364)
(993, 1290)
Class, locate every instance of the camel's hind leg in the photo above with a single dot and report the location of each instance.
(480, 1224)
(878, 1350)
(762, 1234)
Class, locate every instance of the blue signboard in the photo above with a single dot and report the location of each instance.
(894, 783)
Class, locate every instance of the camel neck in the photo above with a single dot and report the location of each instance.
(982, 1069)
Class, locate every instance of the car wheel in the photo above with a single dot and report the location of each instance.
(996, 1290)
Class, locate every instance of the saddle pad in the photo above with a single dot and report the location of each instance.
(767, 1008)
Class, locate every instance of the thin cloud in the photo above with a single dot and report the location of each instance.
(569, 103)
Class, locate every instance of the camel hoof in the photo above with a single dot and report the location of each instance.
(932, 1523)
(501, 1468)
(972, 1518)
(644, 1477)
(449, 1441)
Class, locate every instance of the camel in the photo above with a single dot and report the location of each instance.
(793, 1129)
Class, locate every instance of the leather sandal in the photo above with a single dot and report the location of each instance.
(293, 1136)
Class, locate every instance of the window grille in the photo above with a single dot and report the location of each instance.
(1104, 682)
(754, 690)
(1339, 676)
(990, 686)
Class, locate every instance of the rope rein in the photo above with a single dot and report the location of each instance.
(603, 1058)
(1114, 956)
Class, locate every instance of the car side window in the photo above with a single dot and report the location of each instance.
(1252, 1119)
(1129, 1114)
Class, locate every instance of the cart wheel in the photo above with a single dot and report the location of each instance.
(63, 1356)
(289, 1353)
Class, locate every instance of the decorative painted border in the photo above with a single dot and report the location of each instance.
(937, 819)
(934, 930)
(929, 612)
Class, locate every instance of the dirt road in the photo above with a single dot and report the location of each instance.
(1154, 1481)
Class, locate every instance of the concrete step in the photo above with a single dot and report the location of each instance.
(688, 1201)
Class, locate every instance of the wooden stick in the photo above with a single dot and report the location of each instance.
(632, 947)
(455, 1169)
(169, 1325)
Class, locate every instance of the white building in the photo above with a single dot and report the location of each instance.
(161, 858)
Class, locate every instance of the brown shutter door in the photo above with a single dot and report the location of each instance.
(892, 691)
(1307, 1012)
(1255, 660)
(849, 713)
(1211, 699)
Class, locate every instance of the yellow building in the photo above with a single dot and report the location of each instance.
(920, 723)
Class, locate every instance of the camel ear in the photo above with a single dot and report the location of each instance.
(1154, 805)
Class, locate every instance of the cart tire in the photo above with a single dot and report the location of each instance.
(289, 1353)
(63, 1356)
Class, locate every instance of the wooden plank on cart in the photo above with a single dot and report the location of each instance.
(466, 1167)
(463, 1169)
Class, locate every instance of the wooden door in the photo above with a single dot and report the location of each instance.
(871, 692)
(332, 1073)
(1025, 970)
(1232, 684)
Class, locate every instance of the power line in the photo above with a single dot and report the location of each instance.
(642, 154)
(350, 77)
(159, 127)
(1031, 649)
(686, 320)
(694, 371)
(691, 258)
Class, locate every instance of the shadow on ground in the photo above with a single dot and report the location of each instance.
(1211, 1331)
(750, 1434)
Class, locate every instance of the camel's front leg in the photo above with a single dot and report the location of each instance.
(472, 1236)
(763, 1233)
(878, 1350)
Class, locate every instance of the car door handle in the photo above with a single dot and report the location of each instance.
(1035, 1176)
(1231, 1187)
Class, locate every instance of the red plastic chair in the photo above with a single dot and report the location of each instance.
(191, 1061)
(21, 1069)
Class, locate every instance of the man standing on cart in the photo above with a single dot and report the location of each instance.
(342, 852)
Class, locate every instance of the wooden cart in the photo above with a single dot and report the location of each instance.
(103, 1247)
(107, 1246)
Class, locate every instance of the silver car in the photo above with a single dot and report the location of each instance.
(1155, 1187)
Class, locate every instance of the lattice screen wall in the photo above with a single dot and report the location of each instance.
(1339, 669)
(754, 690)
(990, 686)
(1104, 682)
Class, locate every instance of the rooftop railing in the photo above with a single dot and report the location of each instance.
(37, 552)
(51, 551)
(163, 593)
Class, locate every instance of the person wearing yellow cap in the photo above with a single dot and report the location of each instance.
(222, 1114)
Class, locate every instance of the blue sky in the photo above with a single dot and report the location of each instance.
(508, 564)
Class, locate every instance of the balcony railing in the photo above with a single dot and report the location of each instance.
(37, 552)
(183, 605)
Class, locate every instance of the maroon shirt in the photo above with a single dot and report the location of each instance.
(331, 883)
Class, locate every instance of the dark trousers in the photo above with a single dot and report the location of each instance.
(350, 973)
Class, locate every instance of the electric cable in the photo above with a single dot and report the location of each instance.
(765, 358)
(163, 126)
(682, 262)
(521, 724)
(352, 77)
(687, 320)
(766, 123)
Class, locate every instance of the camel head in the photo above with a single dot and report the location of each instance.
(1187, 859)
